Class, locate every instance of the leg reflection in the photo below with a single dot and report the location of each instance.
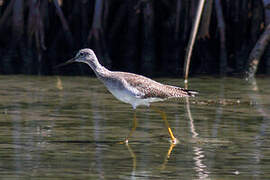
(134, 159)
(167, 157)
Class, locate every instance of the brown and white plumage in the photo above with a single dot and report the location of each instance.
(128, 87)
(153, 89)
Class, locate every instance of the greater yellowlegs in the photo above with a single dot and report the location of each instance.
(131, 88)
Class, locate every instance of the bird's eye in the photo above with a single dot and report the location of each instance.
(82, 54)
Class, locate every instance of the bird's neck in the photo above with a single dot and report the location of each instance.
(99, 70)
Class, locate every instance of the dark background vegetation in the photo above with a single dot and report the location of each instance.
(144, 36)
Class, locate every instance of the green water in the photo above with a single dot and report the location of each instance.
(69, 127)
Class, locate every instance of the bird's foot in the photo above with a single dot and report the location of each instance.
(174, 141)
(123, 142)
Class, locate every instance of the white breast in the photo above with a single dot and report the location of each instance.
(128, 95)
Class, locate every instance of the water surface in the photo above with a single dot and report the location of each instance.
(69, 127)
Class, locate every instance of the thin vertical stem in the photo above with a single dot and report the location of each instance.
(192, 39)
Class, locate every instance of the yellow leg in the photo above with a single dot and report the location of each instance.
(134, 126)
(167, 156)
(164, 117)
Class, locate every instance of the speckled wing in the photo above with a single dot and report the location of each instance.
(151, 89)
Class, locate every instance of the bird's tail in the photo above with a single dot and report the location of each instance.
(181, 92)
(191, 92)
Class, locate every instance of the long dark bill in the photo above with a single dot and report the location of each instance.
(65, 63)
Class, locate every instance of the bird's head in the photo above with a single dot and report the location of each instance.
(85, 56)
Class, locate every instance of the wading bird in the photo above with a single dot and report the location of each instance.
(131, 88)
